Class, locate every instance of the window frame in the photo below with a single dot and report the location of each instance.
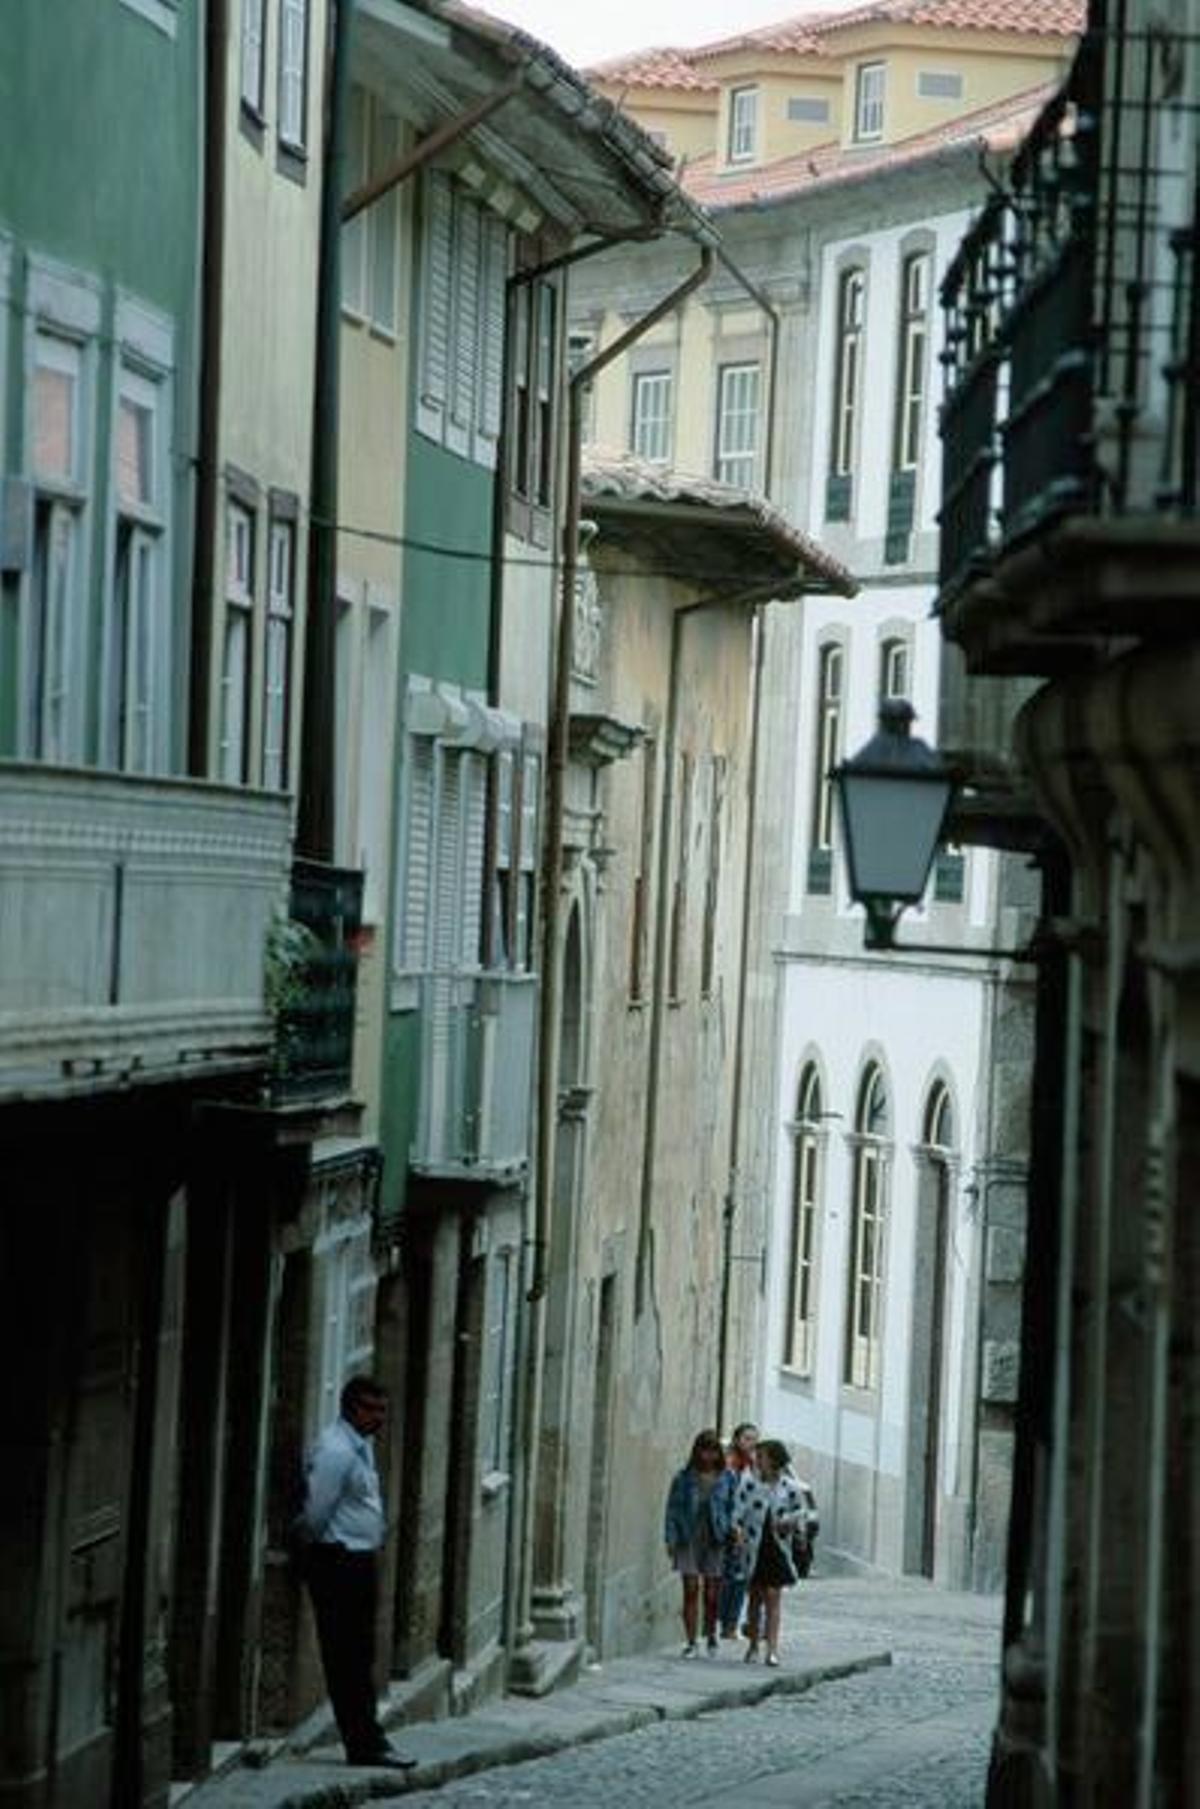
(850, 336)
(870, 89)
(743, 456)
(278, 647)
(741, 144)
(828, 726)
(139, 528)
(659, 423)
(912, 360)
(237, 635)
(253, 59)
(293, 142)
(536, 329)
(865, 1271)
(808, 1139)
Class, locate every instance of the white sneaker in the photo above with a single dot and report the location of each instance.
(691, 1650)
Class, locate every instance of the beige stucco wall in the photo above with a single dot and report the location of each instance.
(988, 74)
(268, 311)
(779, 136)
(686, 118)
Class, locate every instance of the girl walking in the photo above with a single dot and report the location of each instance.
(692, 1542)
(766, 1511)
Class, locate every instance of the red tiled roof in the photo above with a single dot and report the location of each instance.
(807, 32)
(999, 127)
(663, 68)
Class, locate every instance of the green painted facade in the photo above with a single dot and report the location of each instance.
(100, 174)
(444, 635)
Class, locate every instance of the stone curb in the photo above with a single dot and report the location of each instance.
(487, 1743)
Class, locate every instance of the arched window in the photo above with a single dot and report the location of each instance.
(864, 1317)
(800, 1330)
(938, 1130)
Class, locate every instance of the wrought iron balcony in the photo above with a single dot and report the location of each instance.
(476, 1077)
(134, 917)
(1070, 426)
(313, 972)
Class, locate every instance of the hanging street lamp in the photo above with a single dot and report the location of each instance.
(894, 795)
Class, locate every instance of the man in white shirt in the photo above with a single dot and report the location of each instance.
(341, 1528)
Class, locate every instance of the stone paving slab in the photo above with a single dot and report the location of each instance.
(616, 1698)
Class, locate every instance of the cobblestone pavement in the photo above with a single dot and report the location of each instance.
(914, 1733)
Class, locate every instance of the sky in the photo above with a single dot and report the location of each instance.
(589, 31)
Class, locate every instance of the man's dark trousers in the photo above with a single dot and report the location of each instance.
(342, 1585)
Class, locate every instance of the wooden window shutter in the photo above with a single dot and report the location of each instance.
(491, 339)
(417, 876)
(464, 332)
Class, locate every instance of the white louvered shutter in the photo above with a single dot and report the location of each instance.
(465, 326)
(415, 879)
(293, 32)
(491, 339)
(474, 837)
(433, 390)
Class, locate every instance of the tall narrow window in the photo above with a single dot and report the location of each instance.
(712, 882)
(137, 616)
(535, 383)
(253, 22)
(581, 349)
(743, 125)
(825, 757)
(639, 952)
(738, 407)
(236, 652)
(496, 1382)
(281, 578)
(864, 1316)
(868, 101)
(57, 423)
(894, 678)
(911, 361)
(847, 379)
(651, 436)
(354, 232)
(546, 302)
(293, 72)
(800, 1326)
(382, 222)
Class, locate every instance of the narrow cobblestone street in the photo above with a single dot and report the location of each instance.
(913, 1733)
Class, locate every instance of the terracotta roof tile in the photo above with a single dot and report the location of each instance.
(999, 128)
(809, 32)
(662, 68)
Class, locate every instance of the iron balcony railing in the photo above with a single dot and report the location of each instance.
(1072, 318)
(476, 1074)
(315, 1006)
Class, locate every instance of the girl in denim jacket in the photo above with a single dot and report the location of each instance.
(693, 1544)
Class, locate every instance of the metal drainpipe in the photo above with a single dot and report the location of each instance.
(729, 1213)
(530, 1378)
(212, 278)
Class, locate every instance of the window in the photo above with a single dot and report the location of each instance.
(743, 124)
(464, 266)
(847, 371)
(496, 1382)
(370, 240)
(516, 777)
(58, 434)
(808, 107)
(236, 650)
(679, 895)
(293, 73)
(910, 368)
(253, 49)
(864, 1321)
(712, 882)
(737, 424)
(137, 620)
(868, 101)
(639, 953)
(828, 747)
(894, 679)
(939, 84)
(800, 1327)
(939, 1119)
(277, 662)
(651, 436)
(535, 368)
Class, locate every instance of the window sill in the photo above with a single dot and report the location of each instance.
(251, 124)
(291, 161)
(161, 13)
(494, 1484)
(385, 335)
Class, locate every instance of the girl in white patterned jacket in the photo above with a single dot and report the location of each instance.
(767, 1509)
